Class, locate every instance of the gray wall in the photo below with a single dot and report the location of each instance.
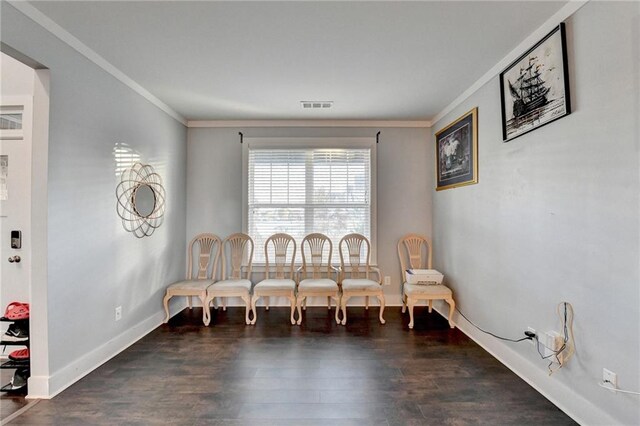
(214, 184)
(555, 217)
(93, 264)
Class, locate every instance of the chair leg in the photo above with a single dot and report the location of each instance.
(266, 302)
(223, 303)
(254, 299)
(430, 306)
(304, 306)
(329, 302)
(298, 305)
(404, 303)
(292, 300)
(165, 302)
(345, 298)
(207, 301)
(205, 309)
(452, 307)
(247, 311)
(381, 299)
(366, 303)
(189, 302)
(410, 303)
(337, 299)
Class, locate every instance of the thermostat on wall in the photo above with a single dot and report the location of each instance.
(16, 239)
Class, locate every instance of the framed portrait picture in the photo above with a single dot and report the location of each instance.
(534, 89)
(457, 152)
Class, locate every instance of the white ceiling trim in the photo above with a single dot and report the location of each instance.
(55, 29)
(307, 123)
(569, 9)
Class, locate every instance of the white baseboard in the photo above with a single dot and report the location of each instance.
(563, 397)
(38, 387)
(46, 387)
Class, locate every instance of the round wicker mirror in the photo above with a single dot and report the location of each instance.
(141, 198)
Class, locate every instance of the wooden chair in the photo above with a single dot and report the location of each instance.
(235, 248)
(320, 283)
(283, 283)
(417, 255)
(207, 245)
(358, 282)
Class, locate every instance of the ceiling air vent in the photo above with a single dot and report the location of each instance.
(316, 104)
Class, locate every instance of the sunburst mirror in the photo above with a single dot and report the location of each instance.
(141, 200)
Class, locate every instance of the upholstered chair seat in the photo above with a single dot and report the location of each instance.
(233, 285)
(439, 291)
(273, 284)
(189, 285)
(319, 284)
(351, 284)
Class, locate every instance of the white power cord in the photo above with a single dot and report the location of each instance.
(604, 385)
(565, 312)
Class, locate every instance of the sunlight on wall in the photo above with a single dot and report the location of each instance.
(125, 157)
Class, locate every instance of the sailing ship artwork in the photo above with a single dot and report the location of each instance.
(535, 88)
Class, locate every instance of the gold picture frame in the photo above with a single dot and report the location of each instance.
(457, 152)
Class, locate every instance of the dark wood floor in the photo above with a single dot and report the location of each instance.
(317, 374)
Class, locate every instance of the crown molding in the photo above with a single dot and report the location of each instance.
(307, 123)
(48, 24)
(566, 11)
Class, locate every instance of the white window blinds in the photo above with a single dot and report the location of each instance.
(300, 191)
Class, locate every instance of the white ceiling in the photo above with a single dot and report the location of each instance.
(257, 60)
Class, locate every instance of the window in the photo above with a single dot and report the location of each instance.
(11, 121)
(300, 188)
(11, 118)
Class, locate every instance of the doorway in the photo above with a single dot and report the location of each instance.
(24, 120)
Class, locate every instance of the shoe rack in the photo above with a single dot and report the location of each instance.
(23, 365)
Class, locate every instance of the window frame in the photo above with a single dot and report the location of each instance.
(315, 143)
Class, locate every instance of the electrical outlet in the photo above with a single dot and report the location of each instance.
(387, 280)
(610, 379)
(118, 313)
(531, 329)
(552, 341)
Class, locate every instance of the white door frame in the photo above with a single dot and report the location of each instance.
(39, 380)
(37, 249)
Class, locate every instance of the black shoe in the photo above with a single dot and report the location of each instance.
(16, 333)
(19, 379)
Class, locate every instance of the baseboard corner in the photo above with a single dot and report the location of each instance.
(48, 387)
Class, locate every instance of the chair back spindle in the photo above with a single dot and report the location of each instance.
(237, 247)
(280, 244)
(416, 254)
(353, 244)
(208, 251)
(315, 244)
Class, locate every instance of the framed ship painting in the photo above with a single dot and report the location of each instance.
(457, 152)
(534, 89)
